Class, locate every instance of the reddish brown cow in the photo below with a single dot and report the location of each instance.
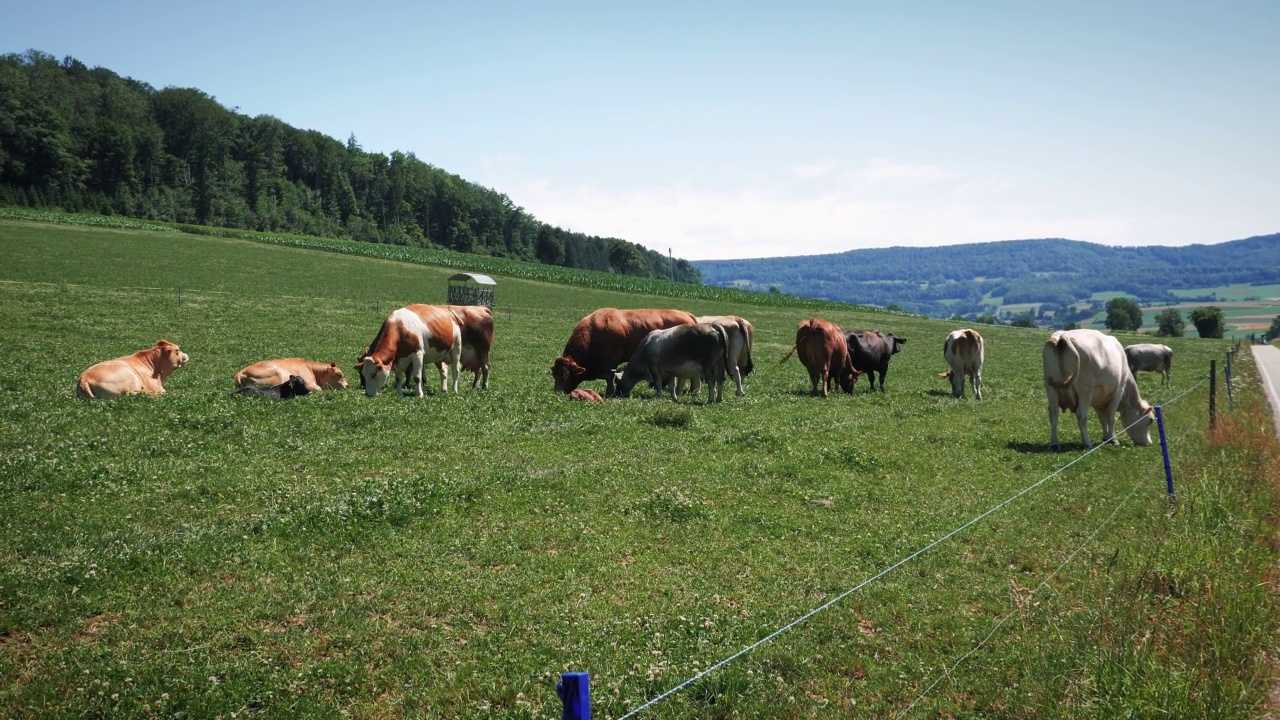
(142, 372)
(476, 322)
(271, 373)
(604, 340)
(821, 348)
(410, 338)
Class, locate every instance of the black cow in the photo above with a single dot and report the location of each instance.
(291, 388)
(870, 351)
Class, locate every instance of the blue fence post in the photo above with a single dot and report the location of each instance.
(574, 690)
(1164, 448)
(179, 297)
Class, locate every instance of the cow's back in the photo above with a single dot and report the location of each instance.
(609, 337)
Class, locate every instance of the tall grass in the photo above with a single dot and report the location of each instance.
(202, 555)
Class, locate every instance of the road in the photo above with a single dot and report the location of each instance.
(1268, 359)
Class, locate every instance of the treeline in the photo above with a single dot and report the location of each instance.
(85, 139)
(968, 279)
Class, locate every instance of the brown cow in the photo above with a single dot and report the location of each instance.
(271, 373)
(142, 372)
(822, 350)
(408, 339)
(604, 340)
(476, 322)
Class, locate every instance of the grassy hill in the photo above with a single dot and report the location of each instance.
(990, 277)
(203, 555)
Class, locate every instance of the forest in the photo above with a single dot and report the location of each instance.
(978, 277)
(83, 139)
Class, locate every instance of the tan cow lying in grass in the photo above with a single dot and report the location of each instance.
(142, 372)
(271, 373)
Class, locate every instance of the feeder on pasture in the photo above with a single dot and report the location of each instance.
(471, 289)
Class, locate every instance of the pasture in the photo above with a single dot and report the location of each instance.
(202, 555)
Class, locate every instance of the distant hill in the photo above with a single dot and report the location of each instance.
(981, 277)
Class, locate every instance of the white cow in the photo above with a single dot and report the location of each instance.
(1150, 357)
(741, 336)
(1086, 369)
(964, 352)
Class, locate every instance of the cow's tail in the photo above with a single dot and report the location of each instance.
(802, 334)
(724, 348)
(747, 331)
(1061, 360)
(83, 389)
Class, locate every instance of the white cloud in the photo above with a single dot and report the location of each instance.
(825, 207)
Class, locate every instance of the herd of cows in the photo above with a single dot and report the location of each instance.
(1083, 369)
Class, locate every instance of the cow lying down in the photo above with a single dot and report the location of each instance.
(142, 372)
(699, 351)
(291, 388)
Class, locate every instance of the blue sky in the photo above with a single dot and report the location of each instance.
(744, 129)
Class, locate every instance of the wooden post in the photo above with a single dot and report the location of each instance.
(1226, 374)
(1213, 393)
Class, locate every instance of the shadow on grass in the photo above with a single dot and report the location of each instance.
(1025, 447)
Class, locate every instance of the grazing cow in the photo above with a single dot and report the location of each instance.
(270, 373)
(1150, 357)
(142, 372)
(870, 351)
(410, 338)
(585, 395)
(604, 340)
(294, 387)
(1086, 369)
(683, 352)
(476, 322)
(821, 347)
(964, 352)
(741, 337)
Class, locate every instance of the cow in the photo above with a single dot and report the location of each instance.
(741, 338)
(409, 338)
(1150, 357)
(476, 322)
(271, 373)
(586, 395)
(294, 387)
(1087, 369)
(604, 340)
(142, 372)
(870, 351)
(683, 352)
(821, 347)
(964, 352)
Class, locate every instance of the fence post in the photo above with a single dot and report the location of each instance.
(1226, 373)
(377, 306)
(574, 690)
(1213, 393)
(179, 297)
(1164, 449)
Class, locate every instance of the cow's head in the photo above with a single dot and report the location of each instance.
(169, 357)
(622, 385)
(848, 378)
(330, 376)
(567, 374)
(895, 343)
(373, 375)
(1139, 423)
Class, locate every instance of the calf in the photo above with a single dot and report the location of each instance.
(272, 373)
(870, 351)
(294, 387)
(142, 372)
(1086, 369)
(1150, 357)
(821, 347)
(964, 352)
(586, 395)
(700, 350)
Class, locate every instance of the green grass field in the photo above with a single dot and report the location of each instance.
(198, 555)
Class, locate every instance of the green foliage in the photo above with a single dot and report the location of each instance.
(986, 319)
(1170, 323)
(84, 140)
(1273, 332)
(1209, 321)
(1123, 314)
(198, 555)
(1023, 321)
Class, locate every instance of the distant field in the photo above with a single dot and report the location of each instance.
(1235, 292)
(198, 555)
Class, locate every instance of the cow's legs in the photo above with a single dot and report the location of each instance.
(1084, 400)
(977, 384)
(1052, 394)
(1107, 417)
(957, 383)
(737, 379)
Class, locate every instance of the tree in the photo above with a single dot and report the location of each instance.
(986, 319)
(1123, 314)
(548, 248)
(1171, 324)
(1209, 321)
(624, 258)
(1274, 331)
(1024, 321)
